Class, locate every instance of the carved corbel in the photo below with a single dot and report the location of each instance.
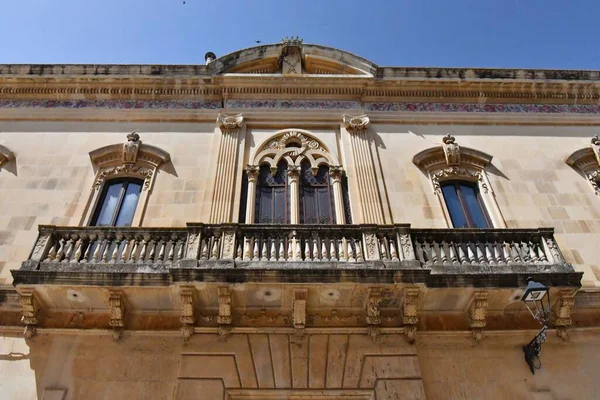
(566, 301)
(29, 309)
(230, 123)
(409, 313)
(299, 314)
(116, 303)
(5, 155)
(477, 313)
(358, 123)
(187, 312)
(373, 312)
(131, 148)
(451, 150)
(224, 317)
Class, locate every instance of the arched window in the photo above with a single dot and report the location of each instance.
(117, 203)
(587, 162)
(465, 205)
(317, 204)
(272, 195)
(294, 179)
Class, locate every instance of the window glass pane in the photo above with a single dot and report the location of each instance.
(279, 209)
(128, 205)
(265, 205)
(469, 195)
(109, 204)
(324, 204)
(454, 208)
(309, 215)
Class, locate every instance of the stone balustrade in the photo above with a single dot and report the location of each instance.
(164, 248)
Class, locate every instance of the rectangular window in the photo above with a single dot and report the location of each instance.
(465, 206)
(118, 203)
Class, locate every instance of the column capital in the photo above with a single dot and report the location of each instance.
(357, 123)
(293, 171)
(252, 171)
(229, 123)
(336, 172)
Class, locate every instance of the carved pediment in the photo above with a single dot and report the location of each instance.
(130, 152)
(451, 154)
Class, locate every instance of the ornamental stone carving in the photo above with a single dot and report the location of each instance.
(409, 313)
(291, 56)
(451, 150)
(230, 122)
(187, 312)
(130, 148)
(477, 313)
(5, 155)
(357, 123)
(224, 317)
(587, 161)
(457, 172)
(117, 313)
(563, 307)
(29, 310)
(125, 169)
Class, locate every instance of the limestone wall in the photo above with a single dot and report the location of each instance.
(259, 366)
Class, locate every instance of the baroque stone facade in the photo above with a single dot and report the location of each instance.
(159, 248)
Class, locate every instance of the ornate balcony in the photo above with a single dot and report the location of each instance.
(294, 253)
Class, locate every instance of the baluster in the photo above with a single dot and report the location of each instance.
(247, 255)
(273, 255)
(51, 253)
(524, 251)
(264, 250)
(115, 254)
(162, 245)
(152, 244)
(86, 254)
(78, 249)
(489, 254)
(69, 250)
(323, 251)
(542, 254)
(507, 251)
(461, 254)
(255, 254)
(239, 253)
(307, 250)
(298, 252)
(215, 248)
(171, 253)
(332, 246)
(281, 255)
(479, 253)
(532, 253)
(315, 251)
(515, 252)
(420, 251)
(134, 247)
(104, 248)
(497, 247)
(382, 249)
(126, 254)
(470, 254)
(144, 250)
(434, 256)
(181, 249)
(453, 256)
(290, 249)
(359, 252)
(443, 256)
(204, 250)
(352, 255)
(61, 250)
(342, 250)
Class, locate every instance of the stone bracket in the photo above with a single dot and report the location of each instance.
(30, 309)
(409, 313)
(477, 314)
(116, 303)
(187, 318)
(224, 317)
(373, 313)
(299, 314)
(562, 311)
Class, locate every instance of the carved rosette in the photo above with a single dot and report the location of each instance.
(477, 313)
(356, 124)
(230, 123)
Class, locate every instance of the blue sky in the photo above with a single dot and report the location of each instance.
(448, 33)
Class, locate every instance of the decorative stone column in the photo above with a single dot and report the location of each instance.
(336, 173)
(293, 172)
(252, 172)
(223, 194)
(366, 178)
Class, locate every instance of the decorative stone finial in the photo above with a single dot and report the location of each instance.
(230, 122)
(357, 123)
(448, 139)
(133, 137)
(596, 140)
(292, 41)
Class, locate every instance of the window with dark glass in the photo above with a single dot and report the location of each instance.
(117, 203)
(272, 196)
(317, 204)
(465, 205)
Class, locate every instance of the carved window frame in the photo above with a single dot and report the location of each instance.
(451, 162)
(131, 159)
(306, 148)
(587, 162)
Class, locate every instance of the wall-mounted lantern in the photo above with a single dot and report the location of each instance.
(537, 301)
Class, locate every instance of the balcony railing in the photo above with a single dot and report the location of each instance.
(159, 249)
